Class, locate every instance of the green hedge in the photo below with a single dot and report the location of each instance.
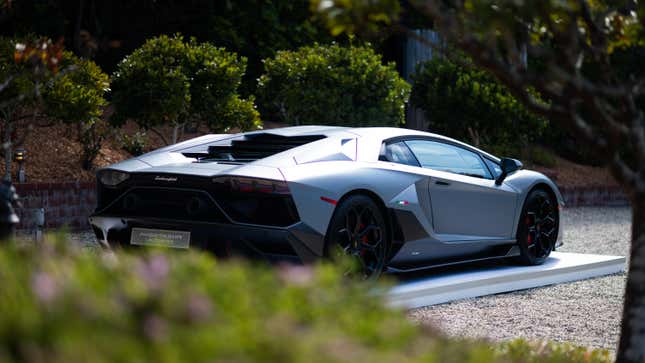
(59, 304)
(169, 81)
(469, 104)
(332, 85)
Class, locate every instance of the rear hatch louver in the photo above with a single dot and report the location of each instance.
(253, 147)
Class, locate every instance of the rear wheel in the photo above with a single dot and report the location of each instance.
(358, 229)
(538, 228)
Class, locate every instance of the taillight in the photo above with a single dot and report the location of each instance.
(112, 178)
(255, 201)
(252, 185)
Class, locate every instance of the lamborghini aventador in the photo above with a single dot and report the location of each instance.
(392, 198)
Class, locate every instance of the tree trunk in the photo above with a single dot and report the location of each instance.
(175, 132)
(77, 27)
(632, 336)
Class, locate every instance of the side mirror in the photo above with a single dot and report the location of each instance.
(508, 166)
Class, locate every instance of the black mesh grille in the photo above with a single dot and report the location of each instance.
(258, 208)
(165, 203)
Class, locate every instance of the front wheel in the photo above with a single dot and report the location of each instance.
(358, 229)
(538, 228)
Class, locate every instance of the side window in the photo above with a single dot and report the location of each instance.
(444, 157)
(397, 152)
(493, 167)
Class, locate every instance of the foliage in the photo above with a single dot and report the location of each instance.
(43, 79)
(469, 104)
(134, 144)
(333, 85)
(77, 97)
(171, 81)
(257, 30)
(540, 156)
(25, 64)
(109, 30)
(59, 304)
(354, 17)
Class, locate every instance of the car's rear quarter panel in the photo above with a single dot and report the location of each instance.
(335, 179)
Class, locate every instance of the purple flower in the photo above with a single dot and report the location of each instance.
(44, 287)
(296, 274)
(154, 272)
(199, 308)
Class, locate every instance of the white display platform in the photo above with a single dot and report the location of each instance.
(442, 287)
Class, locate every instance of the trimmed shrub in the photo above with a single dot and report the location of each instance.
(469, 104)
(332, 85)
(168, 81)
(77, 97)
(59, 304)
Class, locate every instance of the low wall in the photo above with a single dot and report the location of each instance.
(65, 204)
(593, 196)
(69, 204)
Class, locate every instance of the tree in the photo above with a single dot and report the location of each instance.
(24, 67)
(77, 97)
(168, 81)
(109, 30)
(333, 85)
(46, 85)
(469, 104)
(571, 46)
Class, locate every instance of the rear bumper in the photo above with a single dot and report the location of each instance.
(297, 242)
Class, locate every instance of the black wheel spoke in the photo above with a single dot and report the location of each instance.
(349, 227)
(373, 248)
(361, 236)
(541, 225)
(549, 218)
(547, 234)
(345, 232)
(368, 229)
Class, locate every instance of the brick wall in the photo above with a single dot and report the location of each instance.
(65, 204)
(593, 196)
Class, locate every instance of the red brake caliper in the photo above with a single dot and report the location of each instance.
(529, 238)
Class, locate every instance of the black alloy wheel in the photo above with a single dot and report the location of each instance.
(358, 229)
(538, 228)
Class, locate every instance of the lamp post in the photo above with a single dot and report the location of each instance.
(20, 156)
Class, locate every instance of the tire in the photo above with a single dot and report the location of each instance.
(358, 229)
(537, 231)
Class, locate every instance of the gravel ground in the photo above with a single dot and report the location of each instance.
(585, 313)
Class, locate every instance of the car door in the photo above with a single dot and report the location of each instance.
(466, 203)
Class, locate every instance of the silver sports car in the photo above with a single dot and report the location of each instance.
(395, 199)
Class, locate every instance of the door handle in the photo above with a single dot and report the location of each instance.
(441, 182)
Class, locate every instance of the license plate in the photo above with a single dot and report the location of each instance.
(160, 237)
